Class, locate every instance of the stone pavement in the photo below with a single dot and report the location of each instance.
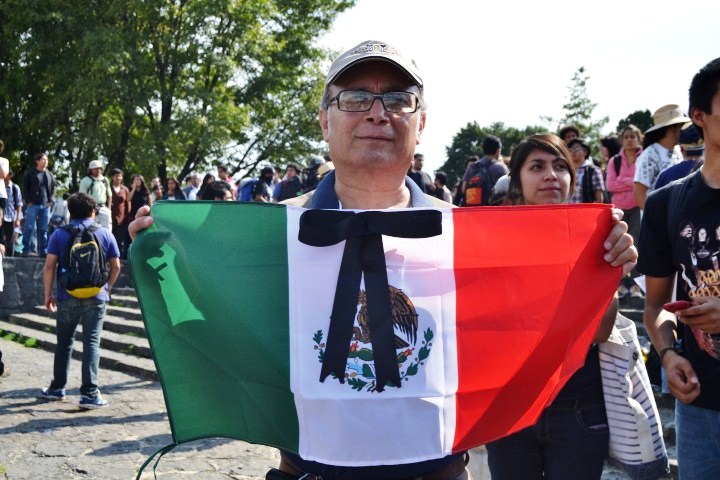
(43, 440)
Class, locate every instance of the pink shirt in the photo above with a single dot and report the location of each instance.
(621, 186)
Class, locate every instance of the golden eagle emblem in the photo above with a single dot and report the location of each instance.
(360, 370)
(404, 317)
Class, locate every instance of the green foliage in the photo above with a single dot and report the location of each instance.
(469, 140)
(357, 383)
(162, 86)
(367, 371)
(579, 110)
(412, 369)
(31, 343)
(640, 118)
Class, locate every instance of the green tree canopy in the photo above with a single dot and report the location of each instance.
(579, 110)
(162, 86)
(640, 118)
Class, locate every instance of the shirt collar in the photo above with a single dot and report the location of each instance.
(326, 199)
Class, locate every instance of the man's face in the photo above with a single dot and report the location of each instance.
(95, 172)
(195, 181)
(42, 162)
(569, 137)
(418, 163)
(376, 140)
(710, 123)
(117, 179)
(290, 173)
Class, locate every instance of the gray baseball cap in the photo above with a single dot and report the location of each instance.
(370, 50)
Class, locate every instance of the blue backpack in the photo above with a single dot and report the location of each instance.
(245, 193)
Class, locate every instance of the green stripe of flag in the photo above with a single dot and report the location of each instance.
(245, 249)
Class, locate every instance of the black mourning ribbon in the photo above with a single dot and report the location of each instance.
(364, 255)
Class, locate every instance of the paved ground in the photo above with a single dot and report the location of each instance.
(51, 440)
(43, 440)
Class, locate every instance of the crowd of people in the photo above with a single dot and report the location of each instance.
(34, 209)
(372, 116)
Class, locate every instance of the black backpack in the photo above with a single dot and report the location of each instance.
(480, 185)
(85, 269)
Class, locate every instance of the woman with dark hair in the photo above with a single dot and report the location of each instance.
(139, 194)
(620, 175)
(609, 147)
(570, 441)
(173, 190)
(207, 180)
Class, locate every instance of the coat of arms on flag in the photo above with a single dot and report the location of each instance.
(441, 329)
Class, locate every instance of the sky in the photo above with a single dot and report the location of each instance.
(512, 61)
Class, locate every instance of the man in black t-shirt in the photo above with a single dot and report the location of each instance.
(680, 236)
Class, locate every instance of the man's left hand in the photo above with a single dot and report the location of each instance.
(619, 244)
(704, 315)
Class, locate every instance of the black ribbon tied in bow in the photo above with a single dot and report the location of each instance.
(364, 255)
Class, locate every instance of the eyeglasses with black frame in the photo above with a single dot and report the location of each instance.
(362, 101)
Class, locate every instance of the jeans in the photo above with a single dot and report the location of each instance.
(698, 442)
(36, 221)
(122, 237)
(90, 313)
(566, 443)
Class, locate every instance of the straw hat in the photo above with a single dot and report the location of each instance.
(325, 168)
(667, 115)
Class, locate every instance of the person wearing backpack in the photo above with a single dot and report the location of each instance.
(589, 184)
(96, 185)
(620, 176)
(480, 177)
(85, 259)
(291, 186)
(11, 213)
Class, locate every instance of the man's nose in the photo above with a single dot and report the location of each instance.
(377, 111)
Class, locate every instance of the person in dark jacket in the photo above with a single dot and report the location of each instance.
(38, 192)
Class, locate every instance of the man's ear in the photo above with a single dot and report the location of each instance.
(324, 124)
(420, 128)
(698, 117)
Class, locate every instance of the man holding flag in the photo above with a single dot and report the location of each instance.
(372, 116)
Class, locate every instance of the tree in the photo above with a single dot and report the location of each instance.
(579, 110)
(640, 118)
(162, 86)
(469, 140)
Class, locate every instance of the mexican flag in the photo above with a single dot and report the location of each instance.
(489, 318)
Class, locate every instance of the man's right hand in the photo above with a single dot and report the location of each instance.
(682, 380)
(142, 221)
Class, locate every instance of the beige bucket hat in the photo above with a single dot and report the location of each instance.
(667, 115)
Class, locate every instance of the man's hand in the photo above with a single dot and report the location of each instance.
(142, 221)
(619, 244)
(682, 380)
(703, 315)
(50, 303)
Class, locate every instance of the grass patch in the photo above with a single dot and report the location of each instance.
(15, 337)
(10, 336)
(3, 469)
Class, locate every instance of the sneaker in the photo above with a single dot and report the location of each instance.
(636, 292)
(50, 394)
(90, 402)
(622, 291)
